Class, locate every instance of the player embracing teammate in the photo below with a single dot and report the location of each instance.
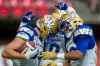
(59, 38)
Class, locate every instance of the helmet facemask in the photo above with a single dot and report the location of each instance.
(42, 28)
(75, 22)
(54, 28)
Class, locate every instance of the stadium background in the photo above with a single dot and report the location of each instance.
(12, 10)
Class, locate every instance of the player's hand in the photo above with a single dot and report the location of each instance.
(53, 64)
(50, 64)
(47, 55)
(62, 6)
(30, 52)
(28, 19)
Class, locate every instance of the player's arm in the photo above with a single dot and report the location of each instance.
(83, 38)
(10, 50)
(24, 34)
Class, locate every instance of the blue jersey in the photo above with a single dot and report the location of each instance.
(81, 39)
(55, 42)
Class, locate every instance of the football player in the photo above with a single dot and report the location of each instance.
(80, 41)
(27, 44)
(78, 37)
(61, 44)
(22, 46)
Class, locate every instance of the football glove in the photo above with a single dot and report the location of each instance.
(47, 55)
(50, 64)
(53, 64)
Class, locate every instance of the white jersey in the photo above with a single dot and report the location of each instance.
(30, 35)
(58, 42)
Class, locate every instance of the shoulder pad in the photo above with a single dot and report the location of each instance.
(83, 30)
(26, 33)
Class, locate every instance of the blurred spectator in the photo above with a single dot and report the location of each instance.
(94, 5)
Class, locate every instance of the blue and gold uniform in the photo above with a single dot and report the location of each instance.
(73, 35)
(64, 31)
(78, 36)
